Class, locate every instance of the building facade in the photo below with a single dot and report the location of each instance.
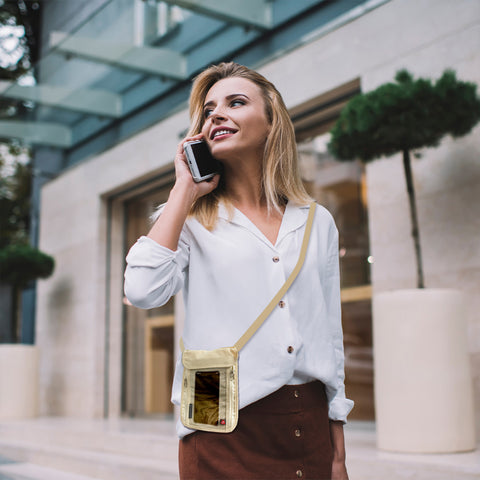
(112, 162)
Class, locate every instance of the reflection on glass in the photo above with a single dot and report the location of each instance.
(340, 187)
(206, 403)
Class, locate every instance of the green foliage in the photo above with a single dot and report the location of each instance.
(405, 115)
(18, 51)
(15, 192)
(20, 264)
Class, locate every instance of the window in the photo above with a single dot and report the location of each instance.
(341, 188)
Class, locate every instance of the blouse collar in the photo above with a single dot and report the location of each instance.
(294, 217)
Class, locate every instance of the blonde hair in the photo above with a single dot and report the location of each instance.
(280, 175)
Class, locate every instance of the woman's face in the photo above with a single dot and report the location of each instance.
(236, 125)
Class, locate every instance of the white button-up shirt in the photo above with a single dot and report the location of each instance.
(228, 276)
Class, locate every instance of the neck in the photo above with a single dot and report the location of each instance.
(244, 185)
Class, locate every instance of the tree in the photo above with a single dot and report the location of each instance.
(15, 192)
(404, 116)
(19, 265)
(19, 26)
(19, 262)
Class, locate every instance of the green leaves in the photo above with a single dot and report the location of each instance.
(15, 191)
(20, 264)
(404, 115)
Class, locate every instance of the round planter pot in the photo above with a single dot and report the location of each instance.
(423, 385)
(18, 381)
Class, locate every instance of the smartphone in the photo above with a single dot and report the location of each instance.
(200, 160)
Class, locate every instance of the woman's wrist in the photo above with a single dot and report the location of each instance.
(338, 442)
(182, 192)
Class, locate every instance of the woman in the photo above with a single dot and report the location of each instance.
(230, 244)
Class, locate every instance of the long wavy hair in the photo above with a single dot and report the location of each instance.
(280, 174)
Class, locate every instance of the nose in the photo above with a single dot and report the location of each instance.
(218, 114)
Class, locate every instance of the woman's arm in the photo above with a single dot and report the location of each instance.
(339, 469)
(155, 264)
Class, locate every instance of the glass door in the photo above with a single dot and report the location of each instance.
(340, 187)
(148, 354)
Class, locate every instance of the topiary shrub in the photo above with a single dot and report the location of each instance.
(19, 265)
(403, 116)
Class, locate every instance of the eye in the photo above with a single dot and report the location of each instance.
(207, 112)
(237, 102)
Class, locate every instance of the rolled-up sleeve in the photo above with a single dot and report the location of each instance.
(339, 405)
(154, 273)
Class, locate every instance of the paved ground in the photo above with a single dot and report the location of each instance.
(365, 461)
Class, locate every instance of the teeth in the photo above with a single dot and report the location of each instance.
(221, 132)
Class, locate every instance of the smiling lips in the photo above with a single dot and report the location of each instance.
(219, 132)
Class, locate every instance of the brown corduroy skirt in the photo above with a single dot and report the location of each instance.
(283, 436)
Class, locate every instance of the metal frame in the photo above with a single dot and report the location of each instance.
(40, 133)
(249, 13)
(149, 60)
(95, 102)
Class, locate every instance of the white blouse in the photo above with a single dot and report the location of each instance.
(228, 276)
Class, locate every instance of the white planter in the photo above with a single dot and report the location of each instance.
(423, 385)
(18, 381)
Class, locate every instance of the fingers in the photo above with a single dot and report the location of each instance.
(180, 151)
(180, 157)
(184, 176)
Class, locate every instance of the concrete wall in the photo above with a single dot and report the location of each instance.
(71, 304)
(425, 36)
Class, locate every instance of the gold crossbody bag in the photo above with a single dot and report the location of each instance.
(210, 377)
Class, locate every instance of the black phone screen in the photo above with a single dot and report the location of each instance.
(207, 392)
(205, 161)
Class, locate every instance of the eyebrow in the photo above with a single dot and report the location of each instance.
(228, 97)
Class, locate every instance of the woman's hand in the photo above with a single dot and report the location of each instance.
(183, 177)
(339, 470)
(168, 227)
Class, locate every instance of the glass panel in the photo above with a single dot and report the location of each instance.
(148, 334)
(340, 187)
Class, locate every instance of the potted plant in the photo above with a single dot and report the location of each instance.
(19, 265)
(423, 390)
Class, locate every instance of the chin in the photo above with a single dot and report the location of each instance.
(221, 153)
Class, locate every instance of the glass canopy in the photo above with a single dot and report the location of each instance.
(123, 65)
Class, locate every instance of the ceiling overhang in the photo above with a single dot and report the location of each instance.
(149, 60)
(248, 13)
(93, 102)
(104, 82)
(37, 133)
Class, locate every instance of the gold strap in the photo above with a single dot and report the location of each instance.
(269, 308)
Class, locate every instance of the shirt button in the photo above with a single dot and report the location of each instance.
(298, 433)
(299, 474)
(276, 259)
(290, 349)
(281, 304)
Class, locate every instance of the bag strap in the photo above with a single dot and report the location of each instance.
(269, 308)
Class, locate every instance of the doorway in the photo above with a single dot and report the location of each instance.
(340, 187)
(148, 343)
